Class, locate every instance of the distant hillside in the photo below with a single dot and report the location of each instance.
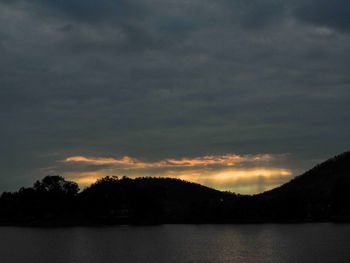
(153, 200)
(54, 201)
(320, 194)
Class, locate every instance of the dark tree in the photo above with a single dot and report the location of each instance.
(58, 185)
(320, 194)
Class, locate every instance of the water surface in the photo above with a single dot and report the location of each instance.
(178, 243)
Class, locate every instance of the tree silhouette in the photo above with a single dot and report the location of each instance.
(320, 194)
(56, 185)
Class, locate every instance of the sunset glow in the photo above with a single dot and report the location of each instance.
(239, 173)
(225, 160)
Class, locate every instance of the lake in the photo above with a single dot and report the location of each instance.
(178, 243)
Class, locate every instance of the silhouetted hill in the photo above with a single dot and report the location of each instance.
(320, 194)
(146, 200)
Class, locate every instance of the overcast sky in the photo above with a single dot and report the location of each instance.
(235, 94)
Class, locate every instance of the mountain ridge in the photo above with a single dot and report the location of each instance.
(318, 195)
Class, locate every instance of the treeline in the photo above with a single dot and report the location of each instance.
(321, 194)
(55, 201)
(49, 200)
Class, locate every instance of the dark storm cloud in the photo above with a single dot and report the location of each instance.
(256, 14)
(170, 79)
(87, 10)
(331, 13)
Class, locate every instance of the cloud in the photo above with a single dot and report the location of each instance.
(161, 79)
(333, 14)
(239, 180)
(239, 173)
(133, 163)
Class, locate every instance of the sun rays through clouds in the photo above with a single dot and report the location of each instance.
(246, 174)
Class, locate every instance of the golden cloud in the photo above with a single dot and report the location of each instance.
(133, 163)
(245, 174)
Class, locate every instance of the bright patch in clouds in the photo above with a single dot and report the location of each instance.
(224, 160)
(246, 174)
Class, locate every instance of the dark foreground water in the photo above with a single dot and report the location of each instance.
(178, 243)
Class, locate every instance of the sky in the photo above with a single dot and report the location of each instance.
(237, 95)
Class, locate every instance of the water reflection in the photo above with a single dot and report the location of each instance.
(178, 243)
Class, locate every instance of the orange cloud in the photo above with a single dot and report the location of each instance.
(245, 174)
(133, 163)
(242, 180)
